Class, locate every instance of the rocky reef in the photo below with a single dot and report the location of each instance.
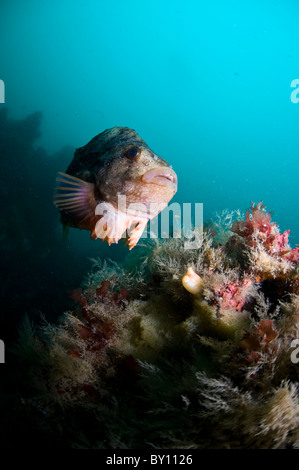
(174, 348)
(32, 248)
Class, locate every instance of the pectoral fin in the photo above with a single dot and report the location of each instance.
(76, 201)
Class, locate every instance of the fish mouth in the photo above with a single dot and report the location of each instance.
(162, 177)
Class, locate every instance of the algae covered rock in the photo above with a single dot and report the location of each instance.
(176, 348)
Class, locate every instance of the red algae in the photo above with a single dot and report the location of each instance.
(258, 228)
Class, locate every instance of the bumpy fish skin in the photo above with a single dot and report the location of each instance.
(116, 163)
(101, 150)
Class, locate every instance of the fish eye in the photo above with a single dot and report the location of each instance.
(133, 152)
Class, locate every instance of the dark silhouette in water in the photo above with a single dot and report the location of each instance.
(37, 265)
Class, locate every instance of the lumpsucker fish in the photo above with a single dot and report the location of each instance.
(113, 184)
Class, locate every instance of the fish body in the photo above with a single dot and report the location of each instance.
(113, 183)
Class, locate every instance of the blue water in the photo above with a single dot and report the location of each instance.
(206, 84)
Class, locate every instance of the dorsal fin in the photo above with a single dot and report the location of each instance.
(75, 197)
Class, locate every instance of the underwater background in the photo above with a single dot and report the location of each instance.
(207, 85)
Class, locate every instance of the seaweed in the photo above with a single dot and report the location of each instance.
(191, 350)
